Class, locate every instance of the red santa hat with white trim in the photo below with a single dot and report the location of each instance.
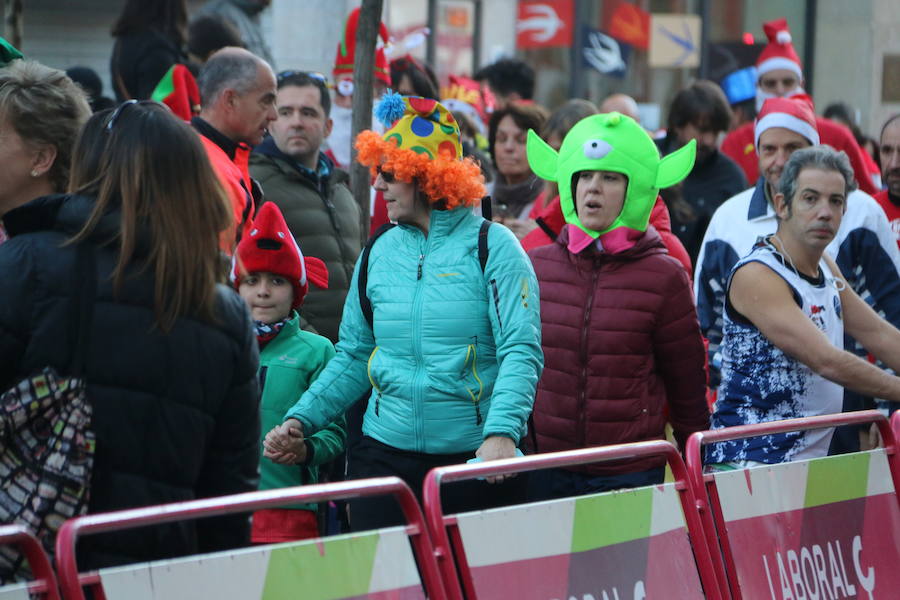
(794, 113)
(269, 247)
(779, 53)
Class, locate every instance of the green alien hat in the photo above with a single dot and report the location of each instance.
(610, 142)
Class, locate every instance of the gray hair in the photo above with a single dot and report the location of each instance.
(227, 70)
(820, 157)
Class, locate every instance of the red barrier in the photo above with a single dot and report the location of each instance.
(443, 527)
(707, 493)
(71, 582)
(44, 584)
(895, 425)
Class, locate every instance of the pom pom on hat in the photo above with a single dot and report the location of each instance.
(390, 108)
(269, 247)
(794, 113)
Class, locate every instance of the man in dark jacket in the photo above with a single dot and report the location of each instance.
(699, 112)
(311, 193)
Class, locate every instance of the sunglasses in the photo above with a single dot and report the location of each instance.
(386, 176)
(121, 108)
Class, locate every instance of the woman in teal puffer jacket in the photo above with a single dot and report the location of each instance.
(453, 352)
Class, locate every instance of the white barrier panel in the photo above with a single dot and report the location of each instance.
(18, 591)
(374, 565)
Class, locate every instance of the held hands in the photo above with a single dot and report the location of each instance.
(284, 444)
(496, 447)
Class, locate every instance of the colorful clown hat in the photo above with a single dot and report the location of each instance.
(422, 143)
(271, 248)
(610, 142)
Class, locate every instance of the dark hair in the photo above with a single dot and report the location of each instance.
(44, 107)
(702, 104)
(151, 165)
(168, 17)
(303, 79)
(564, 118)
(824, 158)
(209, 33)
(421, 76)
(525, 116)
(507, 76)
(236, 70)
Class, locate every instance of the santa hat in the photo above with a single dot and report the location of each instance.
(178, 90)
(779, 53)
(346, 51)
(794, 113)
(269, 247)
(422, 143)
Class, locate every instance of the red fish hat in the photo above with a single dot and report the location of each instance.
(779, 53)
(269, 247)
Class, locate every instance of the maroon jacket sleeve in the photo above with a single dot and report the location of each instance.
(678, 348)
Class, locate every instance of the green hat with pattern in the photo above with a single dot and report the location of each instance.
(610, 142)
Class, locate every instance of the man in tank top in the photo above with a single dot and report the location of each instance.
(787, 308)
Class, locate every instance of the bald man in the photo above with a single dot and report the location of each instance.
(237, 103)
(621, 103)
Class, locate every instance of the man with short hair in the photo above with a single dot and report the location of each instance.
(864, 246)
(787, 308)
(244, 15)
(889, 146)
(507, 80)
(621, 103)
(237, 103)
(699, 112)
(780, 75)
(312, 194)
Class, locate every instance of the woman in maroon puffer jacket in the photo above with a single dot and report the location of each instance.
(621, 338)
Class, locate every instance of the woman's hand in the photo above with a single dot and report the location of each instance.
(284, 444)
(496, 447)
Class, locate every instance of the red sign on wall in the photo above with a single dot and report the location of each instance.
(627, 23)
(544, 24)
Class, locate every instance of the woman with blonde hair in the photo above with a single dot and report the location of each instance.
(41, 112)
(171, 359)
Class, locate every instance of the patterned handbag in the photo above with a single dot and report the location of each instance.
(46, 441)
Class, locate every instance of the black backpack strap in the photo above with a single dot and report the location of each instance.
(546, 228)
(483, 244)
(364, 304)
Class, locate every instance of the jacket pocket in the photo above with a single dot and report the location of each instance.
(372, 380)
(472, 382)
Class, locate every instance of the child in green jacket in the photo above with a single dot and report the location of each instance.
(273, 277)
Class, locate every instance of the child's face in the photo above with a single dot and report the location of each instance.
(269, 296)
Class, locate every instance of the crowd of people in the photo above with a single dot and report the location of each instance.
(240, 333)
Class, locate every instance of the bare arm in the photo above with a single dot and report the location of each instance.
(766, 300)
(874, 333)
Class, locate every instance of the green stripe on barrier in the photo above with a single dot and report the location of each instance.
(612, 518)
(337, 568)
(836, 479)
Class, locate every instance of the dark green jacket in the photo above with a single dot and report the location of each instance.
(324, 219)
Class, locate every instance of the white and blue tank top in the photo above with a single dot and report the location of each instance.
(761, 383)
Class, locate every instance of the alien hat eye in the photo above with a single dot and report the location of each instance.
(596, 149)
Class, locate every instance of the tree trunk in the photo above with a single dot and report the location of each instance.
(363, 81)
(13, 31)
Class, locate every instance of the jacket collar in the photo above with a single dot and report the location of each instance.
(228, 146)
(648, 243)
(443, 222)
(760, 207)
(324, 166)
(67, 213)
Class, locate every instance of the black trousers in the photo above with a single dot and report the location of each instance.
(371, 458)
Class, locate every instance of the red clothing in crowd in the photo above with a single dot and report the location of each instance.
(621, 343)
(892, 210)
(552, 221)
(738, 145)
(235, 179)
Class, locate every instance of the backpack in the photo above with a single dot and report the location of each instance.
(364, 303)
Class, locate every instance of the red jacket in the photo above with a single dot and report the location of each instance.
(738, 146)
(621, 341)
(234, 177)
(551, 220)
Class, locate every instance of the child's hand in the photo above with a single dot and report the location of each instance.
(284, 444)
